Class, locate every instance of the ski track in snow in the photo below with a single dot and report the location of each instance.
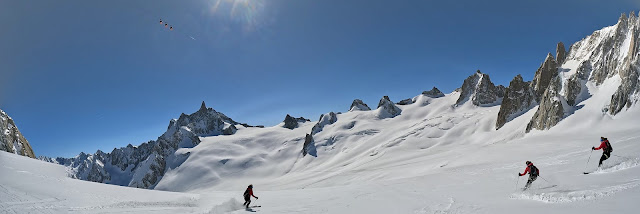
(450, 207)
(629, 163)
(568, 196)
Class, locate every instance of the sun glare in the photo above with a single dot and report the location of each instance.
(246, 12)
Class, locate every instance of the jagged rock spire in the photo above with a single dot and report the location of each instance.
(203, 107)
(542, 78)
(480, 90)
(433, 93)
(387, 108)
(518, 98)
(561, 53)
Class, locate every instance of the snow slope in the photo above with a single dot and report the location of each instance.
(435, 155)
(32, 186)
(432, 158)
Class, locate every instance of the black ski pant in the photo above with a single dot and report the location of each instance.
(532, 178)
(605, 155)
(247, 201)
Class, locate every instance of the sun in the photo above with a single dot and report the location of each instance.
(246, 12)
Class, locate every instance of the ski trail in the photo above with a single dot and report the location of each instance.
(568, 196)
(630, 163)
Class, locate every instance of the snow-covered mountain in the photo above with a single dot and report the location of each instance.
(143, 166)
(597, 77)
(11, 140)
(433, 153)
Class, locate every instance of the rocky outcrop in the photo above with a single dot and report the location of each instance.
(606, 58)
(543, 75)
(358, 105)
(405, 102)
(433, 93)
(387, 109)
(325, 119)
(480, 90)
(143, 166)
(518, 99)
(11, 140)
(629, 86)
(292, 122)
(308, 146)
(551, 108)
(575, 85)
(561, 53)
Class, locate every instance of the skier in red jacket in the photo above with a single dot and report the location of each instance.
(533, 173)
(247, 195)
(606, 149)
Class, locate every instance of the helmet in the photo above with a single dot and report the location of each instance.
(602, 138)
(251, 186)
(528, 162)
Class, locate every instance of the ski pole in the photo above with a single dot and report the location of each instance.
(544, 179)
(585, 166)
(517, 181)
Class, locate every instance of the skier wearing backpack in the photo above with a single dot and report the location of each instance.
(533, 173)
(247, 195)
(606, 149)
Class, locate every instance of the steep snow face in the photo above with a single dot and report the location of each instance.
(611, 51)
(143, 166)
(560, 89)
(11, 140)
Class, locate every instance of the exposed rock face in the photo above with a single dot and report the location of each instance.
(629, 86)
(480, 90)
(11, 140)
(325, 119)
(561, 53)
(433, 93)
(609, 52)
(576, 83)
(292, 122)
(405, 102)
(143, 166)
(606, 58)
(518, 98)
(551, 108)
(358, 105)
(542, 78)
(387, 109)
(307, 147)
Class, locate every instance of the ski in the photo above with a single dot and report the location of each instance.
(586, 173)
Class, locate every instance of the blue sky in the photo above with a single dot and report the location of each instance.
(85, 75)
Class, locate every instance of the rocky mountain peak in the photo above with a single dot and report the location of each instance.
(143, 166)
(433, 93)
(358, 105)
(325, 119)
(518, 98)
(11, 139)
(543, 75)
(387, 109)
(292, 122)
(480, 90)
(203, 107)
